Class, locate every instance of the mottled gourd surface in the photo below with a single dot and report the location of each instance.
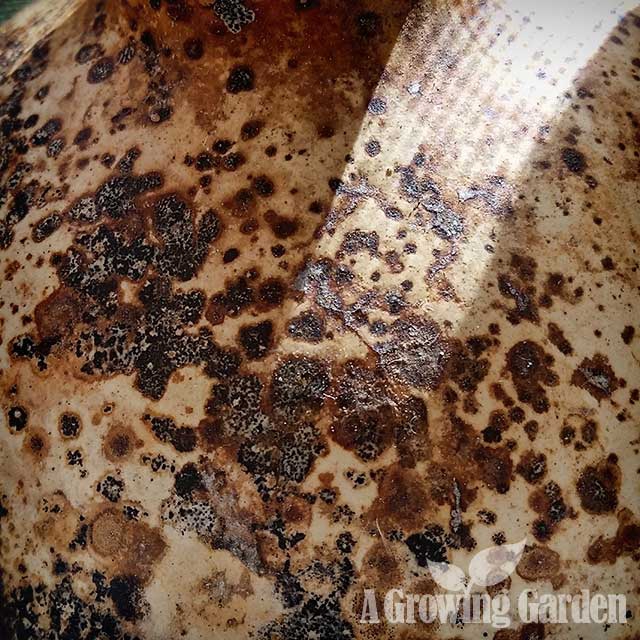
(298, 296)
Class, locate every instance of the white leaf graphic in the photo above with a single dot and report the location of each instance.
(447, 576)
(491, 566)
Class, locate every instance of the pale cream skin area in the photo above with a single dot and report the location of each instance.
(300, 295)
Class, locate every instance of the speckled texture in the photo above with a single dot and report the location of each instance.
(298, 295)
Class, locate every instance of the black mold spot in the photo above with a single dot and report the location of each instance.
(240, 79)
(45, 227)
(127, 53)
(101, 70)
(377, 106)
(372, 148)
(188, 480)
(256, 339)
(574, 160)
(111, 488)
(430, 545)
(70, 425)
(44, 134)
(126, 594)
(17, 418)
(222, 146)
(205, 161)
(263, 186)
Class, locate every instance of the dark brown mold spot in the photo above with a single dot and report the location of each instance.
(241, 79)
(498, 424)
(589, 431)
(182, 439)
(548, 502)
(538, 563)
(517, 415)
(530, 368)
(370, 417)
(232, 161)
(36, 443)
(242, 203)
(466, 456)
(238, 296)
(82, 137)
(598, 486)
(530, 631)
(308, 326)
(596, 376)
(532, 466)
(567, 434)
(557, 338)
(271, 292)
(256, 339)
(193, 48)
(205, 161)
(381, 567)
(607, 263)
(263, 186)
(522, 294)
(402, 500)
(625, 541)
(221, 146)
(416, 352)
(89, 52)
(326, 131)
(299, 384)
(466, 365)
(574, 160)
(251, 129)
(281, 226)
(230, 255)
(119, 443)
(627, 334)
(100, 70)
(69, 425)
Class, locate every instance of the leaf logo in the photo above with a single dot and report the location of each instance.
(488, 567)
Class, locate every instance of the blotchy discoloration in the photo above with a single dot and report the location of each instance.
(295, 301)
